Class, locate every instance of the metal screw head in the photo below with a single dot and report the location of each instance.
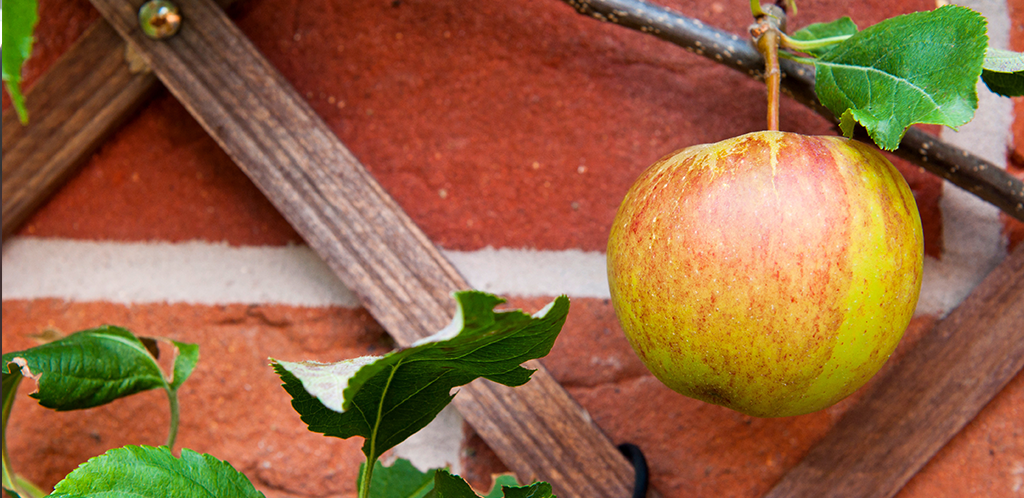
(159, 19)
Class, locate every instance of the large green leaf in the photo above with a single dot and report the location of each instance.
(143, 471)
(88, 368)
(1003, 72)
(915, 68)
(19, 21)
(387, 399)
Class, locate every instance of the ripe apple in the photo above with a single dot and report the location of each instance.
(771, 273)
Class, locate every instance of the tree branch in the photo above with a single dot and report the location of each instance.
(965, 170)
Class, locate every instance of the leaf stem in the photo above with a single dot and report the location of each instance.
(172, 431)
(364, 479)
(805, 45)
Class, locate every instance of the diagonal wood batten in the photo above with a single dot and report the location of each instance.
(72, 109)
(925, 400)
(363, 235)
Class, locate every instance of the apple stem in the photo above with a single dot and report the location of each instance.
(767, 33)
(768, 44)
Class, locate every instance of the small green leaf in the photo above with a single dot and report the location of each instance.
(400, 480)
(18, 25)
(447, 485)
(822, 31)
(387, 399)
(1003, 61)
(88, 368)
(535, 490)
(502, 481)
(1003, 72)
(184, 362)
(143, 471)
(915, 68)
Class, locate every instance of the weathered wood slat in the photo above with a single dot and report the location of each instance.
(363, 235)
(925, 400)
(73, 108)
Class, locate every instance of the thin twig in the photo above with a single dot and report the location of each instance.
(969, 172)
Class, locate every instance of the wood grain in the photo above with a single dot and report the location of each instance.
(73, 108)
(925, 400)
(363, 235)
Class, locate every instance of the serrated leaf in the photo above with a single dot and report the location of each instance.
(840, 27)
(143, 471)
(535, 490)
(915, 68)
(88, 368)
(400, 480)
(1003, 72)
(447, 485)
(18, 26)
(387, 399)
(501, 481)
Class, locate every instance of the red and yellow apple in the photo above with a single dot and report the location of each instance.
(771, 273)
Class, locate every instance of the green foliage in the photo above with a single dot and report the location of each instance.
(86, 369)
(447, 485)
(94, 367)
(19, 22)
(1003, 72)
(143, 471)
(387, 399)
(916, 68)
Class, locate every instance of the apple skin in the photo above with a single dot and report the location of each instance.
(772, 273)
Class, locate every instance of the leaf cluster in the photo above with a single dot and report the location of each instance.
(383, 399)
(88, 369)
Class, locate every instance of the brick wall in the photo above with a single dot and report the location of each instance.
(509, 131)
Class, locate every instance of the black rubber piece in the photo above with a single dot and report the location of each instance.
(636, 457)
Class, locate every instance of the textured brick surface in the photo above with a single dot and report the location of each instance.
(514, 124)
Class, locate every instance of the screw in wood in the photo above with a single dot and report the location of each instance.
(159, 19)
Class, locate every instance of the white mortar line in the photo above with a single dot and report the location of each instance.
(212, 273)
(973, 239)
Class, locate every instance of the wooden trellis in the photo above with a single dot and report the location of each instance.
(404, 282)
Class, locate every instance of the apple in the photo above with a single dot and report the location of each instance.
(772, 273)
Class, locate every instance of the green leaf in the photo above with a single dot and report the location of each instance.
(18, 25)
(1003, 72)
(88, 368)
(1003, 61)
(387, 399)
(184, 363)
(143, 471)
(502, 481)
(823, 31)
(915, 68)
(400, 480)
(447, 485)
